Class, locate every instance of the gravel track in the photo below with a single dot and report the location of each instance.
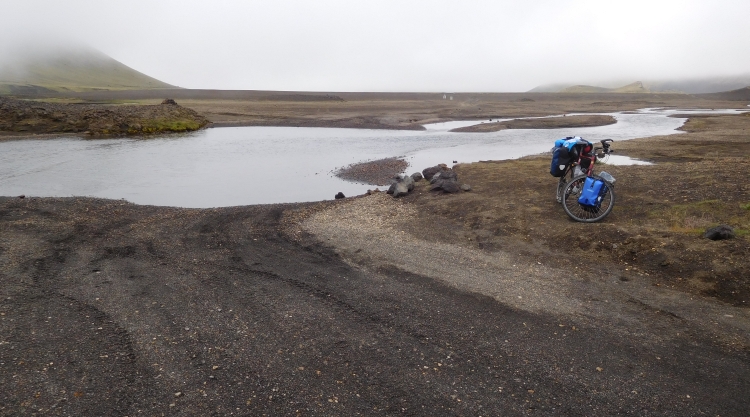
(109, 308)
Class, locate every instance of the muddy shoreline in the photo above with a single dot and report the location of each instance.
(379, 172)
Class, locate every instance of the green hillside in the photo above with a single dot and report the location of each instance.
(71, 70)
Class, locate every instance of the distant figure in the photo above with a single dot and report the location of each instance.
(443, 96)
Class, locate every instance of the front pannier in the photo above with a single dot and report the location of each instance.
(592, 189)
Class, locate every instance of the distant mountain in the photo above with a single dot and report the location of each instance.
(685, 86)
(636, 87)
(741, 94)
(702, 85)
(70, 69)
(549, 88)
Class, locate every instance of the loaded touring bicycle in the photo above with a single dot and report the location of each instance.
(585, 196)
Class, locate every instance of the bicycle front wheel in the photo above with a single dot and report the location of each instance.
(584, 213)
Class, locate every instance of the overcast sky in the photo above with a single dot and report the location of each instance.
(402, 45)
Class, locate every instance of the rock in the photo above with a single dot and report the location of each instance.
(391, 188)
(450, 186)
(339, 195)
(719, 233)
(437, 185)
(408, 181)
(400, 190)
(466, 187)
(416, 176)
(22, 196)
(169, 101)
(435, 178)
(431, 171)
(448, 174)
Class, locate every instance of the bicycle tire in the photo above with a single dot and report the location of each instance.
(562, 182)
(582, 213)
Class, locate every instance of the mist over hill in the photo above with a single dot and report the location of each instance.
(50, 69)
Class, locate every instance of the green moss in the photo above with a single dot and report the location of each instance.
(165, 125)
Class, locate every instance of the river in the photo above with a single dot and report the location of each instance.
(259, 165)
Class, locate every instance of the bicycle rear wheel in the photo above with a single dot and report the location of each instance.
(587, 214)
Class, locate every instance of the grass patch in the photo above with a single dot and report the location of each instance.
(696, 217)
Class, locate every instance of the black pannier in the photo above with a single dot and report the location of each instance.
(561, 158)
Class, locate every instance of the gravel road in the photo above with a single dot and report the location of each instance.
(108, 308)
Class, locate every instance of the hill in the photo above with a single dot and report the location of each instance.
(70, 70)
(703, 85)
(741, 94)
(636, 87)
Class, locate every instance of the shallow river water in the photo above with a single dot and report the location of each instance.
(258, 165)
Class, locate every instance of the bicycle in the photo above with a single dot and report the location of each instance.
(590, 205)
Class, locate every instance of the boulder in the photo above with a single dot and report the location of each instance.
(169, 101)
(416, 176)
(450, 186)
(466, 187)
(447, 186)
(431, 171)
(448, 174)
(719, 233)
(400, 190)
(391, 188)
(339, 195)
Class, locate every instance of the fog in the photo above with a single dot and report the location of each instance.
(394, 45)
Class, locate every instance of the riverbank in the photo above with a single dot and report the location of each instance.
(592, 120)
(24, 119)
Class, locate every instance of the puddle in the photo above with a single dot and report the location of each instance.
(624, 160)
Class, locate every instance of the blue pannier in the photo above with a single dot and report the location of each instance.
(592, 189)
